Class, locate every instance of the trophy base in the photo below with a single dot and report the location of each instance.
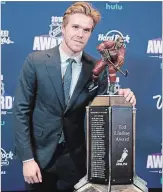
(139, 185)
(89, 187)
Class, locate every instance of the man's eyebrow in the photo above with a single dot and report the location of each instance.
(88, 28)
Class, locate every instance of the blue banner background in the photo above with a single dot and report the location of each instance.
(141, 21)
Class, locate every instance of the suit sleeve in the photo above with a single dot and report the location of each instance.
(103, 82)
(22, 110)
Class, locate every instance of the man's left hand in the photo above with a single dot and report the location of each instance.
(129, 96)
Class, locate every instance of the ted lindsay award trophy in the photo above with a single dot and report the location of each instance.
(111, 122)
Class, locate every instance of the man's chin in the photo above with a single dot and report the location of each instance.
(77, 49)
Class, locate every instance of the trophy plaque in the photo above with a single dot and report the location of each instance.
(110, 143)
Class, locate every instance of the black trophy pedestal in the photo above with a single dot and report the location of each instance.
(111, 147)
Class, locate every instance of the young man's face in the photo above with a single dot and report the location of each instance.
(76, 33)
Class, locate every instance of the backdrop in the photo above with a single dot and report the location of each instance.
(35, 26)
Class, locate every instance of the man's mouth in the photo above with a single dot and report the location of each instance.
(79, 42)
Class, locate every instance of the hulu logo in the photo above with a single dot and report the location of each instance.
(111, 6)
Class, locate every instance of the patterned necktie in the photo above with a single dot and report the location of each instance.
(67, 80)
(66, 87)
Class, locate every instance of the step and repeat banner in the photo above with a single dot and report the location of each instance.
(35, 26)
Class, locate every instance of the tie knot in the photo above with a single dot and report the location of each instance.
(70, 61)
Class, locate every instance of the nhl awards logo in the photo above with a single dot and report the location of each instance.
(55, 27)
(54, 37)
(154, 48)
(6, 100)
(155, 162)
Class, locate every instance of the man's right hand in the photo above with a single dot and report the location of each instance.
(31, 172)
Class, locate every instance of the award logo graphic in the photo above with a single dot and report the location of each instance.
(44, 42)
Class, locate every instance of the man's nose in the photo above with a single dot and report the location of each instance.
(80, 33)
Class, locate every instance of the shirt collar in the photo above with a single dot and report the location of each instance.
(64, 56)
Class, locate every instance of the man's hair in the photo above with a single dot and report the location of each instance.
(83, 8)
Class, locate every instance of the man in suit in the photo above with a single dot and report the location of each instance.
(50, 102)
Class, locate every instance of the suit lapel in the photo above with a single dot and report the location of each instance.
(84, 77)
(53, 65)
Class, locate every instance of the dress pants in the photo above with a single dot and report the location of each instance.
(60, 175)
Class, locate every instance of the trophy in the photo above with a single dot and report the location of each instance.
(111, 122)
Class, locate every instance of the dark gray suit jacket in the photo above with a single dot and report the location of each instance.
(39, 111)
